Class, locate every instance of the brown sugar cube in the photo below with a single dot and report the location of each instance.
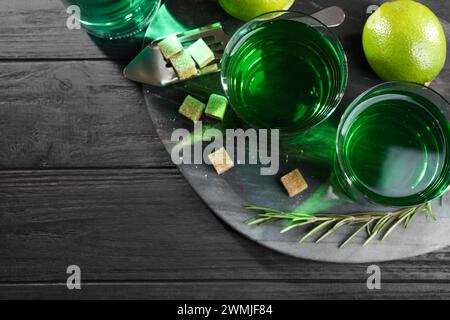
(221, 160)
(294, 183)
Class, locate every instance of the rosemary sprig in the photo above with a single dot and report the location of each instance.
(376, 224)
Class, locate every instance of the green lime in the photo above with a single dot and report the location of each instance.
(249, 9)
(404, 40)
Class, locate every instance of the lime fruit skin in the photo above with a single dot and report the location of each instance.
(249, 9)
(404, 40)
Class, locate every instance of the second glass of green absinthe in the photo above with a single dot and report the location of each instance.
(395, 148)
(285, 74)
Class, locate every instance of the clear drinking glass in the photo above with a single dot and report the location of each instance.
(115, 19)
(284, 70)
(393, 146)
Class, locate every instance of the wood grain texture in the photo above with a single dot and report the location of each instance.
(252, 290)
(147, 225)
(119, 224)
(74, 114)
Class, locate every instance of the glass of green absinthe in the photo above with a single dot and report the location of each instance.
(393, 146)
(115, 19)
(284, 70)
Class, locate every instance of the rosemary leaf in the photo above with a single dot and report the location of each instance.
(334, 228)
(373, 222)
(392, 228)
(250, 207)
(379, 225)
(295, 225)
(411, 218)
(355, 234)
(300, 214)
(316, 229)
(275, 215)
(429, 209)
(369, 239)
(368, 230)
(392, 221)
(257, 221)
(304, 219)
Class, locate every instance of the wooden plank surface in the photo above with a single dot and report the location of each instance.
(146, 224)
(74, 114)
(84, 180)
(218, 290)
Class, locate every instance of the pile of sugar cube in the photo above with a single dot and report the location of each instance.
(185, 61)
(193, 109)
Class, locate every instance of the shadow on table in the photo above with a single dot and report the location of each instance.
(121, 51)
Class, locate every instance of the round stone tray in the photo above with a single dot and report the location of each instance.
(227, 194)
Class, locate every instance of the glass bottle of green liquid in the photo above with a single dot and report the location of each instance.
(115, 19)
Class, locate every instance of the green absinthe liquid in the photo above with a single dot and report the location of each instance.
(115, 18)
(285, 74)
(395, 147)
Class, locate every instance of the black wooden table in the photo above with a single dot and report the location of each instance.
(85, 181)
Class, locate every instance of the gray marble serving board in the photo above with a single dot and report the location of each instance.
(227, 194)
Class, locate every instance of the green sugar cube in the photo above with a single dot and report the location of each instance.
(211, 68)
(170, 46)
(201, 53)
(184, 65)
(217, 106)
(192, 108)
